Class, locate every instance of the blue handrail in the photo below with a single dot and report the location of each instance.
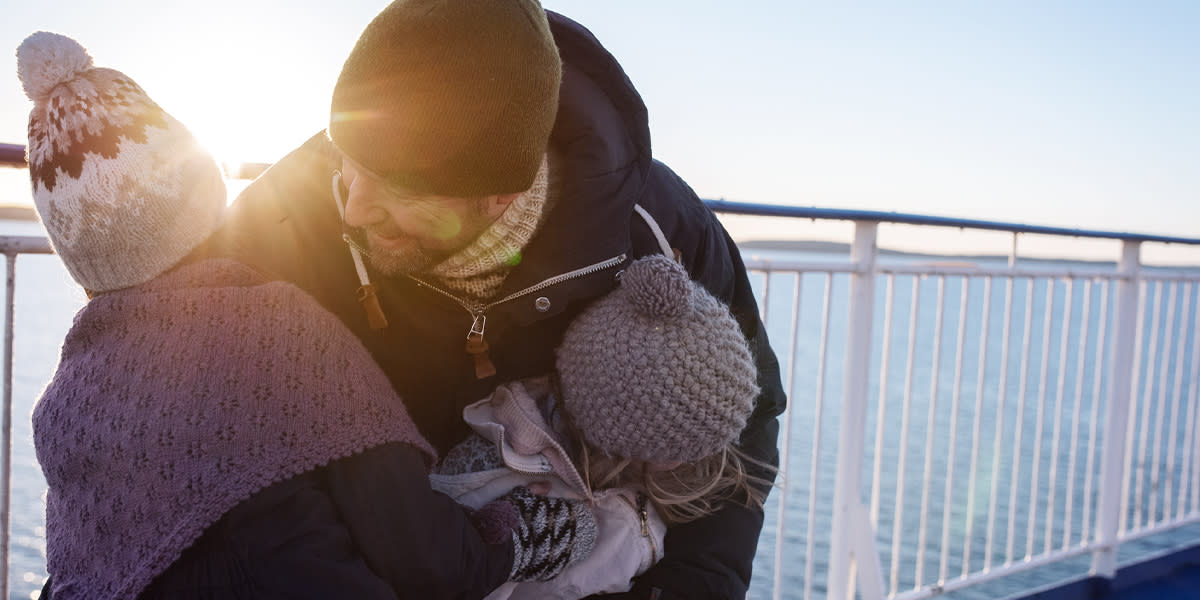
(13, 155)
(811, 212)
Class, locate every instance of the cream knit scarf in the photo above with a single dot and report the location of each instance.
(477, 271)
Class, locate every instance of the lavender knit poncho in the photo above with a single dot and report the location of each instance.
(177, 399)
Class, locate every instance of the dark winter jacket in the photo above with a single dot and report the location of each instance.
(286, 223)
(362, 527)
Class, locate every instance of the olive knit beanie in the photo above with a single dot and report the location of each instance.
(658, 369)
(123, 189)
(450, 97)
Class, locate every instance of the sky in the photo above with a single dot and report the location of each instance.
(1054, 112)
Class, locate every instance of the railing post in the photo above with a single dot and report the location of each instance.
(850, 550)
(1112, 465)
(6, 423)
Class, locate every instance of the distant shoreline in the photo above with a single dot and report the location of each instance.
(13, 212)
(844, 248)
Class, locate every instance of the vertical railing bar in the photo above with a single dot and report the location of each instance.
(763, 311)
(1043, 377)
(1127, 319)
(1069, 497)
(785, 451)
(1194, 399)
(1196, 463)
(813, 480)
(1097, 380)
(930, 428)
(1159, 405)
(1175, 393)
(10, 281)
(1131, 428)
(1147, 399)
(1196, 467)
(1193, 448)
(1056, 423)
(853, 553)
(766, 295)
(902, 460)
(1001, 400)
(881, 414)
(1020, 423)
(953, 443)
(976, 427)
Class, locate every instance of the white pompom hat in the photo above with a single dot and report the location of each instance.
(123, 189)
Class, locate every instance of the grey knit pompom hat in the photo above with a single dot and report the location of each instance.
(658, 369)
(124, 190)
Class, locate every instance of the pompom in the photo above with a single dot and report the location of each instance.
(45, 60)
(658, 286)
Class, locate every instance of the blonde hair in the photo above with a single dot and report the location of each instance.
(689, 491)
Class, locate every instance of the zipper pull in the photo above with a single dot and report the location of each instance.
(477, 347)
(645, 516)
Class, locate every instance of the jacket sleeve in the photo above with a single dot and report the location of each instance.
(712, 557)
(285, 225)
(418, 540)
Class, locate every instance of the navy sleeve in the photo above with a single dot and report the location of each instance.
(418, 540)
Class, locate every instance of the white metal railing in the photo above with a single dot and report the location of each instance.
(1109, 493)
(1029, 415)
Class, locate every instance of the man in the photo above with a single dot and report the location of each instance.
(492, 161)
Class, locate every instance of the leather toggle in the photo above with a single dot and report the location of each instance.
(370, 303)
(477, 347)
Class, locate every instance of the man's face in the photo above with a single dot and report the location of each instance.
(406, 232)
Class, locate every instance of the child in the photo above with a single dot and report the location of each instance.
(212, 434)
(653, 384)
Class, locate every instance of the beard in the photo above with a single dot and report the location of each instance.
(407, 254)
(392, 262)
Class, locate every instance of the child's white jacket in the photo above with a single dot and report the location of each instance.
(630, 537)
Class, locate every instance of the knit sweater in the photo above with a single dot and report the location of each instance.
(175, 400)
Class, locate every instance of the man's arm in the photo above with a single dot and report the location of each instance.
(420, 541)
(712, 557)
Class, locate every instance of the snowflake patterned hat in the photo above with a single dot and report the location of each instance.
(123, 189)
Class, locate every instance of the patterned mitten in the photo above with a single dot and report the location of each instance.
(548, 533)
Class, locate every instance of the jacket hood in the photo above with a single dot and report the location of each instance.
(600, 158)
(602, 105)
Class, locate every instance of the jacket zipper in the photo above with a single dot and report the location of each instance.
(546, 468)
(476, 344)
(643, 516)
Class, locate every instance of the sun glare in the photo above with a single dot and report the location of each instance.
(243, 113)
(243, 140)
